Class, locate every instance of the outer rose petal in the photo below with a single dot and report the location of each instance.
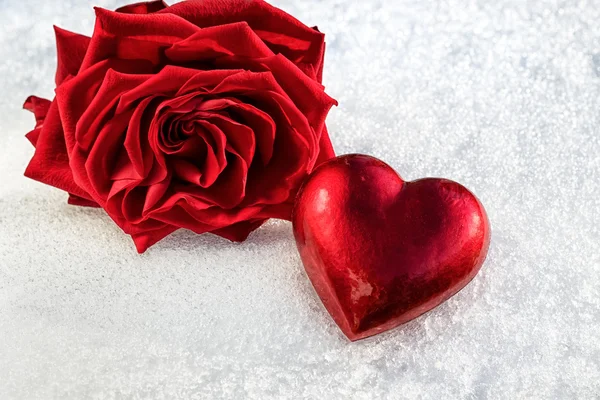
(75, 95)
(80, 201)
(33, 136)
(236, 39)
(240, 231)
(149, 238)
(325, 148)
(134, 36)
(320, 68)
(147, 7)
(71, 48)
(279, 211)
(50, 163)
(280, 31)
(39, 107)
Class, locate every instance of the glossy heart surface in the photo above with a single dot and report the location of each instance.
(380, 251)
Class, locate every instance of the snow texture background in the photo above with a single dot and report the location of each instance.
(501, 95)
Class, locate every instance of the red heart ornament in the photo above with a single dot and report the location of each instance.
(380, 251)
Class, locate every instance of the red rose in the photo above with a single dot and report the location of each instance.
(205, 115)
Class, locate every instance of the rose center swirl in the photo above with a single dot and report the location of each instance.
(202, 137)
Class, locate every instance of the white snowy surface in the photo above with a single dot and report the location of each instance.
(501, 95)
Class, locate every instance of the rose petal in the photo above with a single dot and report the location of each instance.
(39, 107)
(239, 137)
(224, 40)
(229, 189)
(174, 82)
(136, 144)
(145, 240)
(205, 220)
(114, 202)
(288, 116)
(287, 168)
(100, 132)
(80, 201)
(33, 136)
(218, 143)
(187, 171)
(102, 158)
(264, 89)
(76, 94)
(50, 162)
(74, 97)
(134, 36)
(206, 81)
(226, 193)
(132, 205)
(306, 94)
(201, 159)
(280, 31)
(95, 117)
(293, 132)
(223, 218)
(240, 231)
(260, 122)
(320, 65)
(129, 202)
(155, 194)
(147, 7)
(326, 150)
(281, 210)
(183, 105)
(71, 48)
(176, 215)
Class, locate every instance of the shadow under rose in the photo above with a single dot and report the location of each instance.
(272, 232)
(48, 209)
